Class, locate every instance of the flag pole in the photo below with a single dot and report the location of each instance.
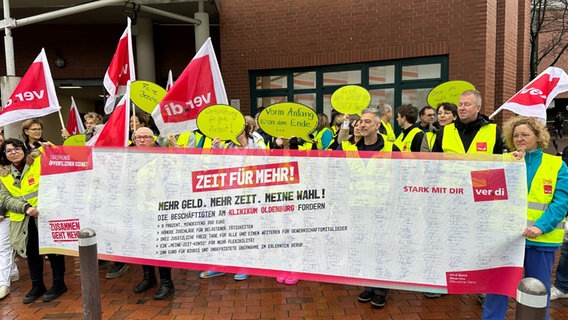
(494, 114)
(61, 119)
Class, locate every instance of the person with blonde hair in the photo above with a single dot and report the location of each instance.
(547, 184)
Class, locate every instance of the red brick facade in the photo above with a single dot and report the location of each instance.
(486, 41)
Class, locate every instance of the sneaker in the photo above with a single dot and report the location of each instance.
(556, 293)
(280, 279)
(210, 274)
(365, 296)
(291, 281)
(431, 295)
(15, 277)
(241, 276)
(378, 301)
(117, 269)
(4, 291)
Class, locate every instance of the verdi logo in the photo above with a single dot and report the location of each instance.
(489, 185)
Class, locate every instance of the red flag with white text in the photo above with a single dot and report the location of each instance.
(199, 85)
(536, 96)
(74, 123)
(34, 96)
(120, 70)
(115, 131)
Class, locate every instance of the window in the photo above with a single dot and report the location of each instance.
(394, 82)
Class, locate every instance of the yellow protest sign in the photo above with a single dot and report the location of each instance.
(449, 91)
(350, 99)
(146, 95)
(288, 119)
(75, 140)
(221, 121)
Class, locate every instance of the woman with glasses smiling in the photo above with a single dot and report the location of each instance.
(32, 131)
(20, 178)
(547, 184)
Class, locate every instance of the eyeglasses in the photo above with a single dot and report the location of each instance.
(35, 129)
(143, 137)
(8, 151)
(430, 115)
(523, 136)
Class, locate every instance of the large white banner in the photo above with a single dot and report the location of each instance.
(411, 221)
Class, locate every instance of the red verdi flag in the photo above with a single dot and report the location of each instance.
(34, 96)
(74, 123)
(536, 96)
(115, 131)
(200, 85)
(120, 70)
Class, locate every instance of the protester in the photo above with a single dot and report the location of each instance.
(386, 116)
(246, 140)
(560, 288)
(410, 138)
(32, 131)
(23, 165)
(371, 141)
(427, 116)
(323, 136)
(472, 132)
(547, 184)
(144, 137)
(447, 113)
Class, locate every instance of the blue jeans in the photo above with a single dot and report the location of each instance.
(562, 269)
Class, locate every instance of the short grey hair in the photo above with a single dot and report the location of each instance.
(374, 111)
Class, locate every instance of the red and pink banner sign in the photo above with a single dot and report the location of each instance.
(332, 218)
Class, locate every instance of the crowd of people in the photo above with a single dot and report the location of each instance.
(444, 128)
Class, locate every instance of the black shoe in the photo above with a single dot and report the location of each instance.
(365, 296)
(378, 301)
(166, 288)
(145, 285)
(117, 269)
(34, 293)
(54, 293)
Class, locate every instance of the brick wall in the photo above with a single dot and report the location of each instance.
(257, 34)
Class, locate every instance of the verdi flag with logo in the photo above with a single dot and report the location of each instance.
(74, 123)
(199, 85)
(536, 96)
(34, 96)
(120, 70)
(115, 131)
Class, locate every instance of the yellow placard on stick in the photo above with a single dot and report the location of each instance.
(350, 99)
(146, 95)
(75, 140)
(288, 119)
(221, 121)
(449, 91)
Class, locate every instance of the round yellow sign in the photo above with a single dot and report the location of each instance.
(221, 121)
(146, 95)
(288, 119)
(449, 91)
(350, 99)
(75, 140)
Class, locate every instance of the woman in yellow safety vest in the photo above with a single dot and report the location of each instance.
(547, 182)
(19, 191)
(447, 113)
(323, 135)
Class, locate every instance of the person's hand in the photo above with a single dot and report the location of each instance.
(32, 212)
(47, 144)
(216, 141)
(532, 232)
(346, 117)
(64, 133)
(172, 141)
(519, 154)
